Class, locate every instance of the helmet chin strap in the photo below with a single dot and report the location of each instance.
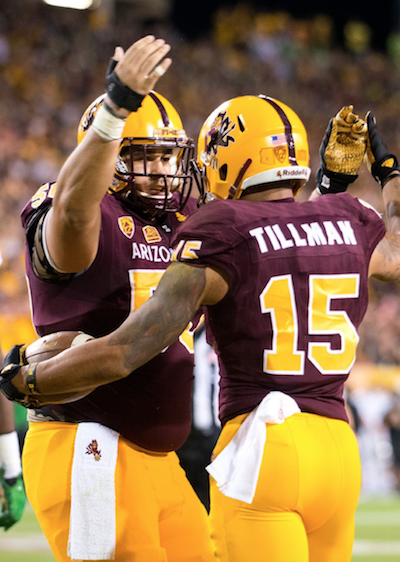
(234, 187)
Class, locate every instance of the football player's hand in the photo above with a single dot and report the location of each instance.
(382, 165)
(12, 364)
(132, 74)
(12, 500)
(341, 152)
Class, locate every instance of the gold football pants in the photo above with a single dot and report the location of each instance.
(158, 515)
(306, 497)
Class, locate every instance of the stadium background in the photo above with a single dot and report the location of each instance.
(316, 59)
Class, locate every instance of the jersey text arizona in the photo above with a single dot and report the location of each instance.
(151, 253)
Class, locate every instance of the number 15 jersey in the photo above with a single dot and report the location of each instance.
(298, 292)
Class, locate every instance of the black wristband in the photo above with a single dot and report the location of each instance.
(333, 182)
(394, 174)
(121, 95)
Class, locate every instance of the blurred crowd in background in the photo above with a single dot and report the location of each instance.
(52, 65)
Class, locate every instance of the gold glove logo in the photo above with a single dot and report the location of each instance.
(389, 163)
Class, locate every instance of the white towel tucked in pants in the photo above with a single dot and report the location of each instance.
(237, 467)
(92, 526)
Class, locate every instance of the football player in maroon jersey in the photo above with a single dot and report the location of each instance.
(97, 243)
(285, 288)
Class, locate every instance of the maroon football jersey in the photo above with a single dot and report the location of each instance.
(152, 406)
(298, 293)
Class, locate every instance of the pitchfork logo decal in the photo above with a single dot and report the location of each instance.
(93, 449)
(218, 135)
(90, 115)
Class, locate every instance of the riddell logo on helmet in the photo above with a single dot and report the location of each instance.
(293, 172)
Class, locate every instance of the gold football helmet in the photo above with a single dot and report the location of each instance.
(248, 141)
(155, 125)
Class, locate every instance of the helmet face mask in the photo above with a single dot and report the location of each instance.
(251, 141)
(153, 131)
(133, 175)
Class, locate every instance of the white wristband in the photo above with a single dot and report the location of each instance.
(10, 458)
(107, 126)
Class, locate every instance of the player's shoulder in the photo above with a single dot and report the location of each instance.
(347, 203)
(217, 211)
(39, 203)
(190, 207)
(370, 207)
(367, 213)
(213, 222)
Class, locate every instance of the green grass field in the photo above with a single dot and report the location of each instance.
(377, 534)
(25, 542)
(377, 530)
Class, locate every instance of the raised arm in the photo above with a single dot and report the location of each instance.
(347, 139)
(145, 333)
(341, 152)
(385, 260)
(73, 225)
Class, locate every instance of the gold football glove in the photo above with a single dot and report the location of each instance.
(342, 151)
(347, 142)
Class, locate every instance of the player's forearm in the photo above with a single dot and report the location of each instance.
(85, 177)
(391, 198)
(104, 361)
(76, 370)
(145, 333)
(74, 222)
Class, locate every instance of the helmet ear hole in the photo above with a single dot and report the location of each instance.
(223, 172)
